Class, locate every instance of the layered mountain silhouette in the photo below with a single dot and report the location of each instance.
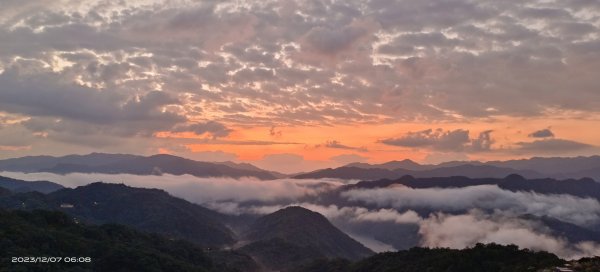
(373, 173)
(133, 164)
(294, 235)
(392, 165)
(391, 233)
(149, 210)
(21, 186)
(285, 240)
(559, 167)
(113, 247)
(281, 240)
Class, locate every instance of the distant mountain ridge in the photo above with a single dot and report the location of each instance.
(393, 165)
(536, 167)
(134, 164)
(373, 173)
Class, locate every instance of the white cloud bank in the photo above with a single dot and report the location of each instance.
(567, 208)
(195, 189)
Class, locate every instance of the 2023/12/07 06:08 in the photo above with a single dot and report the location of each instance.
(51, 259)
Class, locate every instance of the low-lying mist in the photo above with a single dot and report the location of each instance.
(387, 218)
(196, 189)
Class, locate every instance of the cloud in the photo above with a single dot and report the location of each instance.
(544, 133)
(195, 189)
(465, 230)
(455, 139)
(57, 106)
(439, 229)
(483, 142)
(461, 217)
(579, 211)
(275, 133)
(384, 60)
(339, 145)
(373, 244)
(440, 140)
(215, 129)
(127, 69)
(551, 146)
(333, 41)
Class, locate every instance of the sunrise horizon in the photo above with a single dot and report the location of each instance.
(483, 82)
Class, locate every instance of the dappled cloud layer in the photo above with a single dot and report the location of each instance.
(251, 79)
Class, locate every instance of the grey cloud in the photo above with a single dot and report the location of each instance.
(61, 107)
(543, 133)
(545, 13)
(215, 129)
(411, 15)
(406, 44)
(333, 41)
(551, 146)
(46, 97)
(483, 142)
(339, 145)
(451, 140)
(444, 60)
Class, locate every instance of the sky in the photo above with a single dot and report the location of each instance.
(299, 85)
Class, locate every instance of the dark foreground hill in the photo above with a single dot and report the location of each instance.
(99, 248)
(294, 235)
(489, 258)
(21, 186)
(149, 210)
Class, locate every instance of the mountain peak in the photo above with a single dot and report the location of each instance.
(406, 161)
(297, 212)
(306, 229)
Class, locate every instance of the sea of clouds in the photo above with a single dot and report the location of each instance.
(462, 217)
